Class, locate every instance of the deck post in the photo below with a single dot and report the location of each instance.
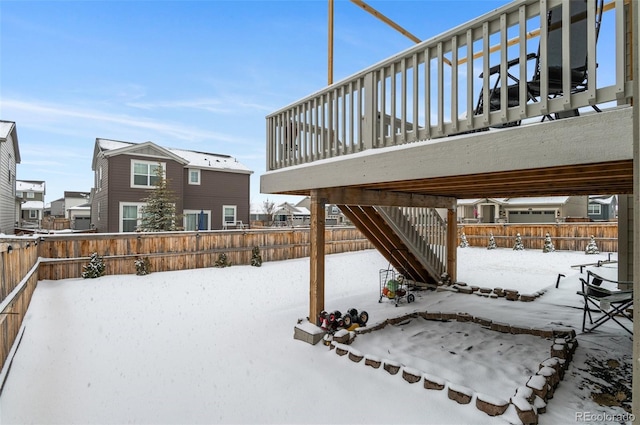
(452, 243)
(635, 54)
(370, 119)
(316, 255)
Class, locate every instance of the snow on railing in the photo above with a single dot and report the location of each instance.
(427, 91)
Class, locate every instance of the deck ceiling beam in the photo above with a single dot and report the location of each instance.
(367, 197)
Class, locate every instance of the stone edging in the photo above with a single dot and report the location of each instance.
(508, 294)
(527, 402)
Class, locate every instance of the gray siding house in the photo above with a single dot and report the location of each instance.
(30, 194)
(9, 158)
(212, 190)
(603, 207)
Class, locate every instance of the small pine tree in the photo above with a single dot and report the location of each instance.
(159, 212)
(592, 248)
(256, 258)
(143, 266)
(492, 242)
(223, 261)
(518, 246)
(548, 245)
(95, 268)
(463, 241)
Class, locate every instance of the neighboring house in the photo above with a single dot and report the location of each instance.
(30, 194)
(603, 208)
(287, 214)
(333, 214)
(60, 207)
(80, 216)
(212, 190)
(548, 209)
(9, 158)
(57, 208)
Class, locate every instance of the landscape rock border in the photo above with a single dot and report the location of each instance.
(527, 402)
(508, 294)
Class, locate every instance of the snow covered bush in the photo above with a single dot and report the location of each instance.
(492, 242)
(223, 261)
(143, 266)
(256, 258)
(592, 248)
(463, 241)
(518, 246)
(548, 245)
(95, 268)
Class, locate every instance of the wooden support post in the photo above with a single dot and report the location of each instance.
(316, 256)
(452, 243)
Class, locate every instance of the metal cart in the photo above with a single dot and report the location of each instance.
(394, 285)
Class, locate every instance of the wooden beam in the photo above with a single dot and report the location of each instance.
(316, 256)
(365, 197)
(452, 243)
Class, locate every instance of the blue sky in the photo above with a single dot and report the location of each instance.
(198, 75)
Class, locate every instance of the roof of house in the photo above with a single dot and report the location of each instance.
(32, 205)
(8, 128)
(545, 200)
(30, 185)
(82, 207)
(195, 159)
(602, 200)
(68, 194)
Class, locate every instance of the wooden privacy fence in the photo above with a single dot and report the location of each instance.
(565, 236)
(18, 279)
(64, 256)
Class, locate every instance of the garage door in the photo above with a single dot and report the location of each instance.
(82, 223)
(532, 216)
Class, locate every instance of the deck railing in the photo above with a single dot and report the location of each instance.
(431, 90)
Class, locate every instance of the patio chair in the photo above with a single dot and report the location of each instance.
(578, 49)
(607, 304)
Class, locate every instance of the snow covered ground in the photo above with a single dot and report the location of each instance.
(216, 346)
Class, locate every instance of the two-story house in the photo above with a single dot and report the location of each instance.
(9, 158)
(30, 194)
(212, 190)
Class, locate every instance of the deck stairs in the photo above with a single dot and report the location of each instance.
(411, 239)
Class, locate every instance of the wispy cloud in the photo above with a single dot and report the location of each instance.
(219, 106)
(36, 112)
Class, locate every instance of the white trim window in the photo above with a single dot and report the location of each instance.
(192, 220)
(31, 195)
(33, 214)
(594, 209)
(144, 174)
(194, 176)
(229, 215)
(130, 216)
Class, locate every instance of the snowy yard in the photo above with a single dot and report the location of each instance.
(216, 346)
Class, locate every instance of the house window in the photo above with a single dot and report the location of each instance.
(194, 176)
(31, 195)
(99, 184)
(33, 214)
(594, 209)
(144, 174)
(130, 215)
(197, 220)
(19, 194)
(229, 214)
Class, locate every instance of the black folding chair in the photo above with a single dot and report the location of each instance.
(578, 61)
(606, 303)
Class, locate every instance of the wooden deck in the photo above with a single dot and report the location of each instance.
(575, 156)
